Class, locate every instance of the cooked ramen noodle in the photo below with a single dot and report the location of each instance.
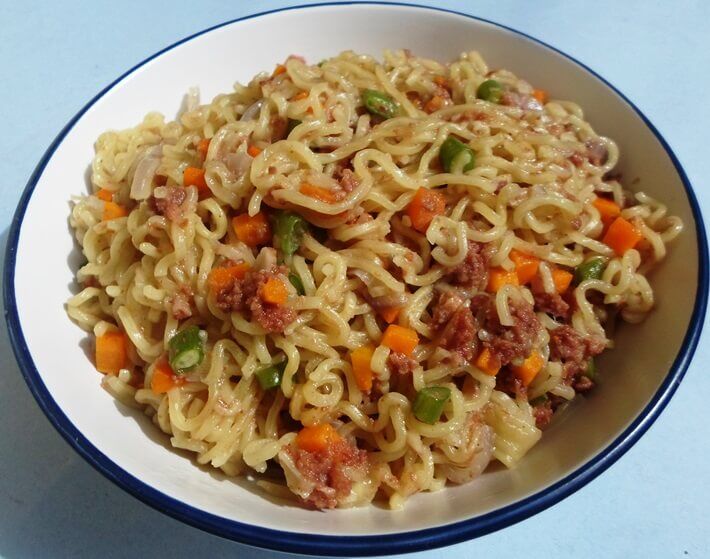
(360, 279)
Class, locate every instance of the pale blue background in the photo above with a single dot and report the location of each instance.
(652, 503)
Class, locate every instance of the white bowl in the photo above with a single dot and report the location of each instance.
(639, 376)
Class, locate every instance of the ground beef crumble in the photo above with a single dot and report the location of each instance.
(473, 271)
(445, 308)
(455, 325)
(507, 343)
(181, 303)
(170, 206)
(329, 470)
(244, 295)
(543, 414)
(401, 364)
(348, 180)
(551, 303)
(508, 382)
(574, 351)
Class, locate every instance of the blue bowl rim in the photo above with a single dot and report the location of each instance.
(314, 544)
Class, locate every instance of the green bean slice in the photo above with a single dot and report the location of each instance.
(271, 376)
(186, 349)
(295, 280)
(455, 156)
(429, 403)
(490, 90)
(380, 104)
(591, 269)
(289, 229)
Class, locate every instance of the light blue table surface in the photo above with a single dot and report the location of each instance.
(55, 56)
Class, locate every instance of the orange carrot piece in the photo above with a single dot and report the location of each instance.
(529, 368)
(487, 362)
(400, 339)
(193, 176)
(111, 352)
(434, 104)
(113, 211)
(424, 207)
(280, 69)
(317, 438)
(222, 278)
(540, 95)
(273, 291)
(202, 146)
(360, 359)
(608, 210)
(164, 379)
(621, 236)
(105, 195)
(299, 96)
(390, 314)
(441, 81)
(252, 230)
(562, 279)
(253, 151)
(322, 194)
(526, 266)
(498, 277)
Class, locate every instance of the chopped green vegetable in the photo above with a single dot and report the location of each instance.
(289, 229)
(591, 371)
(378, 103)
(490, 90)
(429, 403)
(456, 156)
(270, 377)
(295, 280)
(591, 269)
(187, 349)
(539, 400)
(292, 123)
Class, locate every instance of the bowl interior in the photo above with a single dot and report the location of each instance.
(632, 373)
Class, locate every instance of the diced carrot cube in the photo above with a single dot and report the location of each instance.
(529, 368)
(317, 438)
(360, 359)
(164, 378)
(487, 362)
(274, 291)
(400, 339)
(526, 266)
(621, 236)
(111, 352)
(608, 210)
(498, 277)
(113, 211)
(252, 230)
(424, 207)
(105, 195)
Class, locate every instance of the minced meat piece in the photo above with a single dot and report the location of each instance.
(473, 271)
(507, 343)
